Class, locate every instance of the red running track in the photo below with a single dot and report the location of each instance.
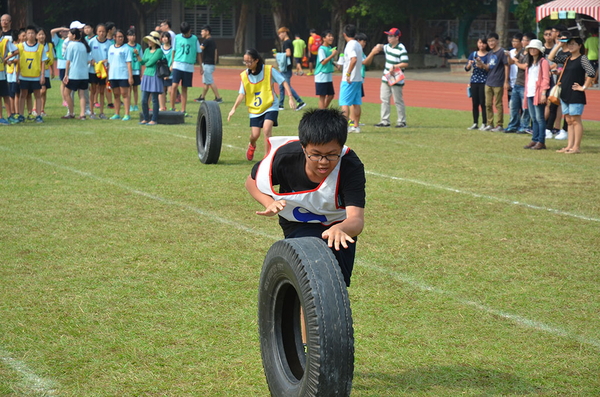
(428, 94)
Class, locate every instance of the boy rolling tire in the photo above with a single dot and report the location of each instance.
(303, 273)
(209, 132)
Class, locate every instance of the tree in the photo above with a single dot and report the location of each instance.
(502, 22)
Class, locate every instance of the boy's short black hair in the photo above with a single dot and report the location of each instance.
(321, 126)
(493, 35)
(559, 28)
(361, 37)
(184, 27)
(31, 27)
(207, 28)
(350, 31)
(166, 22)
(518, 36)
(326, 32)
(130, 32)
(530, 35)
(109, 26)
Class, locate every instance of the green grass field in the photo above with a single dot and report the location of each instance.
(128, 268)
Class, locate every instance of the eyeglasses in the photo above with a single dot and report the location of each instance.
(547, 34)
(248, 62)
(318, 157)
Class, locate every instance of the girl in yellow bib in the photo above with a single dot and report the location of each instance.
(257, 90)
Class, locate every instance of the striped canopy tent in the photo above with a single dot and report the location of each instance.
(587, 7)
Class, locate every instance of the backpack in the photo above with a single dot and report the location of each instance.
(317, 42)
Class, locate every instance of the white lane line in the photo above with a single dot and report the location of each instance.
(29, 380)
(484, 196)
(522, 321)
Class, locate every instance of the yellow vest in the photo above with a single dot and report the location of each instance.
(30, 63)
(259, 96)
(50, 55)
(3, 43)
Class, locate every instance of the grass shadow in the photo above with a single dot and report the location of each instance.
(430, 379)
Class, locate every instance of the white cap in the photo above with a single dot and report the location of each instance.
(76, 25)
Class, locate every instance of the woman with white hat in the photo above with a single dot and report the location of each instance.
(151, 84)
(537, 83)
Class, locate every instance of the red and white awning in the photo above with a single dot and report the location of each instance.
(587, 7)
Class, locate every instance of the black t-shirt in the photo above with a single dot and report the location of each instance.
(208, 51)
(288, 44)
(289, 173)
(8, 33)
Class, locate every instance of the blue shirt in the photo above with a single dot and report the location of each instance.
(118, 57)
(136, 66)
(275, 77)
(78, 57)
(99, 51)
(479, 75)
(322, 77)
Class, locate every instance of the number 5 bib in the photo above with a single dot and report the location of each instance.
(259, 96)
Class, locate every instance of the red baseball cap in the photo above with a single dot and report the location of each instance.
(393, 32)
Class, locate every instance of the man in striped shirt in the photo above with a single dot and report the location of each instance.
(396, 56)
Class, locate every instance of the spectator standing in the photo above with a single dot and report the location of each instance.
(519, 118)
(152, 85)
(351, 86)
(209, 59)
(6, 23)
(287, 48)
(99, 46)
(324, 71)
(120, 74)
(396, 56)
(78, 56)
(537, 83)
(591, 51)
(496, 83)
(137, 54)
(477, 84)
(299, 53)
(186, 51)
(314, 43)
(6, 47)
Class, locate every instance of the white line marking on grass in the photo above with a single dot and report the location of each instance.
(30, 381)
(539, 326)
(484, 196)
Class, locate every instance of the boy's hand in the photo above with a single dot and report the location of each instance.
(335, 237)
(231, 114)
(273, 208)
(292, 103)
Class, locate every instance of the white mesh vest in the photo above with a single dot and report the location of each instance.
(312, 206)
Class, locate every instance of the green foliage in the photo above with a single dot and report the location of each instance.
(524, 13)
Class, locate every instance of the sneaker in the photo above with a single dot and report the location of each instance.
(300, 105)
(521, 132)
(21, 119)
(126, 118)
(199, 99)
(219, 100)
(473, 127)
(33, 113)
(483, 127)
(562, 135)
(361, 124)
(529, 131)
(67, 116)
(102, 116)
(88, 112)
(81, 117)
(43, 114)
(93, 117)
(401, 125)
(355, 130)
(131, 108)
(309, 74)
(281, 108)
(497, 129)
(115, 117)
(185, 114)
(510, 131)
(382, 124)
(39, 119)
(3, 121)
(549, 134)
(111, 105)
(135, 108)
(250, 152)
(350, 123)
(30, 117)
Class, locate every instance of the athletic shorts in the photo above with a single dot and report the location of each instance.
(324, 89)
(94, 79)
(207, 76)
(13, 89)
(47, 83)
(260, 120)
(4, 91)
(298, 61)
(30, 86)
(185, 78)
(75, 85)
(61, 74)
(121, 83)
(573, 109)
(313, 59)
(137, 80)
(167, 82)
(350, 93)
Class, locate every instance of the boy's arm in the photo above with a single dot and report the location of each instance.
(272, 207)
(343, 232)
(239, 100)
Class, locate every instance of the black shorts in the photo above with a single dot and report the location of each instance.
(313, 59)
(298, 61)
(61, 74)
(260, 121)
(137, 80)
(324, 89)
(185, 78)
(4, 92)
(30, 86)
(121, 83)
(75, 85)
(13, 89)
(167, 82)
(362, 91)
(94, 79)
(47, 83)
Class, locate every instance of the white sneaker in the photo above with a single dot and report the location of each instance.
(473, 127)
(353, 129)
(548, 134)
(562, 135)
(88, 112)
(487, 128)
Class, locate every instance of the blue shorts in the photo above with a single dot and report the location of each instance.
(167, 82)
(572, 109)
(298, 61)
(61, 74)
(121, 83)
(30, 86)
(76, 85)
(13, 89)
(350, 93)
(185, 78)
(207, 76)
(260, 120)
(137, 80)
(324, 89)
(4, 88)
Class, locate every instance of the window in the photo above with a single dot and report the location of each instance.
(268, 27)
(222, 26)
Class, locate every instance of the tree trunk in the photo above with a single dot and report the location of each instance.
(417, 27)
(502, 22)
(238, 47)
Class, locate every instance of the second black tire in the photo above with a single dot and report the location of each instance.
(209, 132)
(303, 272)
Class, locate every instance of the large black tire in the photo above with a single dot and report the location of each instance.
(167, 117)
(303, 272)
(209, 132)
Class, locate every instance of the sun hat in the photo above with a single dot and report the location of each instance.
(154, 37)
(537, 44)
(76, 25)
(393, 32)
